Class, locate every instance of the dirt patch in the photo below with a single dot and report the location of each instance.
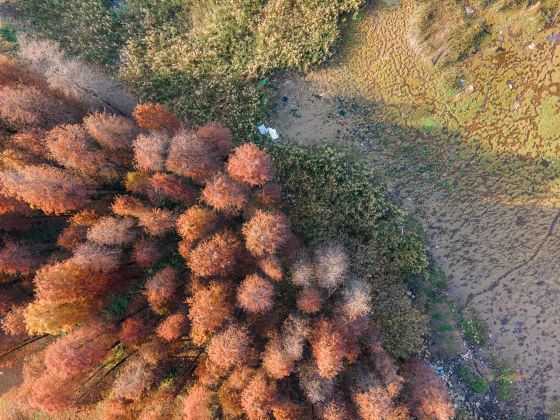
(479, 168)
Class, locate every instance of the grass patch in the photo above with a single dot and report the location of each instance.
(476, 383)
(505, 380)
(475, 331)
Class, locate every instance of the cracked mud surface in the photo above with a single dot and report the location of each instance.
(478, 168)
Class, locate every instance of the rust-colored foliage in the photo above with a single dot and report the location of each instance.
(79, 351)
(276, 361)
(329, 346)
(125, 205)
(255, 294)
(218, 136)
(147, 253)
(97, 258)
(269, 194)
(32, 140)
(230, 347)
(196, 223)
(150, 151)
(285, 409)
(225, 194)
(72, 147)
(336, 410)
(250, 165)
(197, 403)
(111, 231)
(259, 397)
(155, 117)
(229, 393)
(67, 282)
(46, 188)
(385, 365)
(72, 236)
(425, 392)
(12, 73)
(173, 327)
(272, 267)
(172, 187)
(157, 222)
(192, 157)
(160, 289)
(310, 300)
(111, 131)
(16, 258)
(266, 232)
(374, 402)
(209, 308)
(13, 322)
(132, 332)
(9, 205)
(208, 373)
(44, 317)
(216, 256)
(24, 106)
(86, 217)
(154, 351)
(134, 381)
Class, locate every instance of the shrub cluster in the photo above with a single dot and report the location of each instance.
(173, 284)
(331, 194)
(233, 46)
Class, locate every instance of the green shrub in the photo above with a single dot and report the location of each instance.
(331, 194)
(477, 383)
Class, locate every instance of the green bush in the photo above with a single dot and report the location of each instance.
(331, 194)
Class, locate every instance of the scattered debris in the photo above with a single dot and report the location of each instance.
(273, 133)
(469, 11)
(531, 46)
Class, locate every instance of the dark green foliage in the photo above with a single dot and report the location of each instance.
(8, 34)
(328, 193)
(331, 194)
(403, 324)
(118, 304)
